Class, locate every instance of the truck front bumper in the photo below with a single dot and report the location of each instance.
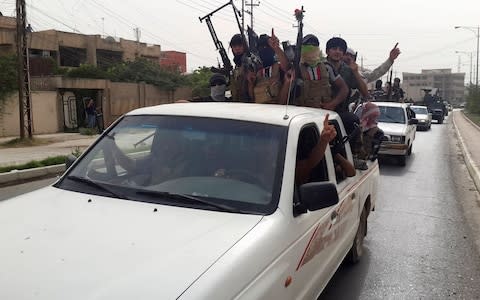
(393, 149)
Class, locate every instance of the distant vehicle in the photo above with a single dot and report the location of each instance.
(423, 116)
(399, 125)
(438, 115)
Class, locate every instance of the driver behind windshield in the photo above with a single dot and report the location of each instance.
(166, 160)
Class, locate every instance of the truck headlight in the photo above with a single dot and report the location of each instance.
(397, 138)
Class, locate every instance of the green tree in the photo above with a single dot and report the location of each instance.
(199, 82)
(473, 100)
(144, 70)
(8, 77)
(87, 71)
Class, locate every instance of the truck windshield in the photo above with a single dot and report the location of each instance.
(225, 163)
(391, 114)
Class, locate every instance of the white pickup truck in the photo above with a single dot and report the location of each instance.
(190, 201)
(398, 122)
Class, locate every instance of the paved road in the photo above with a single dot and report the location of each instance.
(419, 243)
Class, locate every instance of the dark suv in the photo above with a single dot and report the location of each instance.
(437, 114)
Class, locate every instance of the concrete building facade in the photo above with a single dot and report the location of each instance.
(450, 85)
(70, 49)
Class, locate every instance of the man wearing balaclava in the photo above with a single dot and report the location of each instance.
(266, 83)
(319, 80)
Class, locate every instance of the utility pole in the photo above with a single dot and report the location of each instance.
(137, 38)
(24, 97)
(251, 4)
(243, 16)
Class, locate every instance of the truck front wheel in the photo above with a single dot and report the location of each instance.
(357, 248)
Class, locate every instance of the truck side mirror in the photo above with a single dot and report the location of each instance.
(318, 195)
(412, 121)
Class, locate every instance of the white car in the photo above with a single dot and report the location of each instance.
(190, 201)
(423, 116)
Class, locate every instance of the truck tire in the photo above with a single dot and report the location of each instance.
(356, 251)
(409, 152)
(440, 121)
(402, 160)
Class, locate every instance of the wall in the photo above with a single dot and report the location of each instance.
(46, 114)
(117, 99)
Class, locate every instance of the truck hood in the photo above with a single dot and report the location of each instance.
(393, 128)
(57, 244)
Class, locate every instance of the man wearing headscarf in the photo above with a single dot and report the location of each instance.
(371, 134)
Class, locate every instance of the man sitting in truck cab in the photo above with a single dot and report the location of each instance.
(310, 153)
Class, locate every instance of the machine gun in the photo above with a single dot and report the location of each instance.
(227, 65)
(251, 60)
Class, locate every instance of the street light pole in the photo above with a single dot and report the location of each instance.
(476, 31)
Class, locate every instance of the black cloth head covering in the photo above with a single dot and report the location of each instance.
(217, 78)
(310, 39)
(337, 42)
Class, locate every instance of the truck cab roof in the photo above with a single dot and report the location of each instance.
(269, 114)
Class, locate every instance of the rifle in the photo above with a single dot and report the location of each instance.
(227, 65)
(298, 53)
(390, 90)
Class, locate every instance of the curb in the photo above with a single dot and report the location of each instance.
(18, 176)
(472, 168)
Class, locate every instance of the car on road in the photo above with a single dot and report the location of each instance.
(423, 116)
(399, 126)
(192, 201)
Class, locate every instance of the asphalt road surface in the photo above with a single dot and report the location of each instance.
(422, 242)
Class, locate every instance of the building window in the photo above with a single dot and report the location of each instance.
(72, 57)
(106, 58)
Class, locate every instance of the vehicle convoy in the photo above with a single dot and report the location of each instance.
(399, 126)
(423, 116)
(191, 201)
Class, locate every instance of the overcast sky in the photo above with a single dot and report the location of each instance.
(424, 29)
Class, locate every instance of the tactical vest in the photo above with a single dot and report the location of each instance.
(316, 86)
(238, 87)
(267, 85)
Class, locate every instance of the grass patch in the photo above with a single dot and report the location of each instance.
(26, 142)
(88, 131)
(49, 161)
(474, 117)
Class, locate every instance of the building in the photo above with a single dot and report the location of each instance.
(69, 49)
(174, 60)
(450, 85)
(58, 102)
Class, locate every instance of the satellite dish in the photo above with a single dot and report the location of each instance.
(110, 39)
